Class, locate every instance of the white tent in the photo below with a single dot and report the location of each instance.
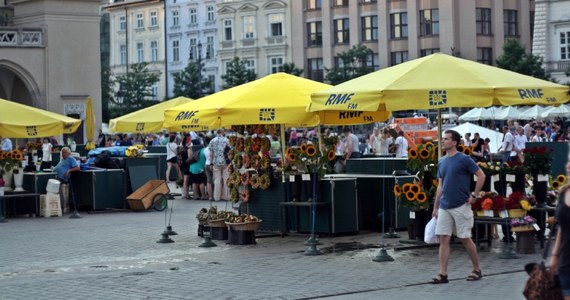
(476, 114)
(507, 112)
(555, 112)
(495, 137)
(532, 113)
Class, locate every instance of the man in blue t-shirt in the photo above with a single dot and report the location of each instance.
(452, 206)
(66, 165)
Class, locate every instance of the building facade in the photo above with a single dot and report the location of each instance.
(258, 32)
(137, 35)
(552, 37)
(402, 30)
(49, 56)
(191, 33)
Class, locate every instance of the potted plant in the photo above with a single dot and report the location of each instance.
(415, 197)
(484, 205)
(522, 224)
(518, 204)
(539, 164)
(10, 163)
(516, 174)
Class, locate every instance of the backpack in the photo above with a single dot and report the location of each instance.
(195, 157)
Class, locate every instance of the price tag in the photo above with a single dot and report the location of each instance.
(536, 227)
(542, 177)
(488, 213)
(283, 179)
(504, 213)
(495, 178)
(412, 215)
(291, 178)
(306, 177)
(510, 178)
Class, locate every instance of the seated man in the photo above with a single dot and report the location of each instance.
(66, 165)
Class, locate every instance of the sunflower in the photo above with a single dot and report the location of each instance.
(303, 147)
(467, 151)
(406, 187)
(289, 151)
(434, 152)
(424, 153)
(460, 148)
(331, 155)
(435, 182)
(255, 181)
(291, 157)
(410, 196)
(421, 197)
(561, 179)
(555, 184)
(412, 153)
(397, 190)
(429, 145)
(19, 156)
(311, 150)
(415, 188)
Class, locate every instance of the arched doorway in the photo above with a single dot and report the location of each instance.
(18, 85)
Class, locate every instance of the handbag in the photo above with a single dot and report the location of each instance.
(429, 234)
(542, 284)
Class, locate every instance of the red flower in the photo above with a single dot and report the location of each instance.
(2, 183)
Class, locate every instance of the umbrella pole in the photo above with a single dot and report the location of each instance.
(439, 131)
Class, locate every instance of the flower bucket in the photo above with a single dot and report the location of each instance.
(517, 213)
(7, 177)
(522, 228)
(485, 213)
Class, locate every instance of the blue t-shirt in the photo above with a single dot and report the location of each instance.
(65, 165)
(456, 173)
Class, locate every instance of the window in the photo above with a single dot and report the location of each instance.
(565, 45)
(510, 22)
(210, 13)
(153, 50)
(484, 56)
(249, 27)
(340, 3)
(212, 81)
(426, 52)
(372, 61)
(193, 15)
(154, 91)
(367, 1)
(210, 47)
(483, 21)
(227, 29)
(314, 4)
(398, 57)
(274, 63)
(140, 52)
(140, 20)
(369, 28)
(176, 50)
(193, 50)
(123, 54)
(429, 22)
(122, 23)
(249, 64)
(153, 18)
(342, 32)
(399, 25)
(315, 69)
(276, 24)
(175, 18)
(315, 34)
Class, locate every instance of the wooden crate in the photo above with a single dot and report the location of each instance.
(142, 198)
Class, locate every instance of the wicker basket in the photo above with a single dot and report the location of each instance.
(249, 226)
(217, 223)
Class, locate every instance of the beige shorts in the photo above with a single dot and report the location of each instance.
(458, 220)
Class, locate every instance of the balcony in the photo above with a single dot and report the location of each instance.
(557, 66)
(276, 40)
(21, 37)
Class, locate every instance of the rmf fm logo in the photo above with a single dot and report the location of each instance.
(266, 114)
(437, 98)
(32, 130)
(140, 127)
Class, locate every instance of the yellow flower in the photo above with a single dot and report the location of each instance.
(415, 188)
(561, 179)
(412, 153)
(525, 205)
(411, 196)
(421, 197)
(424, 153)
(406, 187)
(397, 190)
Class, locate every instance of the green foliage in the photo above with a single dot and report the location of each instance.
(238, 74)
(134, 90)
(106, 90)
(191, 83)
(515, 58)
(354, 64)
(290, 68)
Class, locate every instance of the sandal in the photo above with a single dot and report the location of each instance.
(475, 275)
(440, 278)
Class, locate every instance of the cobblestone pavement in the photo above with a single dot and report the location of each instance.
(115, 256)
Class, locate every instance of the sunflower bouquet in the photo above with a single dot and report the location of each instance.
(10, 160)
(558, 182)
(412, 195)
(423, 159)
(135, 151)
(490, 168)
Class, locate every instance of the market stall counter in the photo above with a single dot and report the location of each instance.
(99, 189)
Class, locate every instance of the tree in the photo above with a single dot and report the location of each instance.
(515, 58)
(290, 68)
(106, 90)
(238, 73)
(134, 90)
(354, 63)
(190, 82)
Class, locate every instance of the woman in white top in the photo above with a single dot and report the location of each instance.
(171, 158)
(209, 170)
(46, 154)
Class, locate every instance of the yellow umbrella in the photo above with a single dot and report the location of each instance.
(89, 120)
(148, 119)
(22, 121)
(438, 81)
(274, 99)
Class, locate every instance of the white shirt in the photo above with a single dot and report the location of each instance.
(508, 142)
(171, 149)
(520, 142)
(206, 152)
(46, 151)
(7, 145)
(402, 150)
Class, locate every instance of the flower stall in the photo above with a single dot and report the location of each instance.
(538, 161)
